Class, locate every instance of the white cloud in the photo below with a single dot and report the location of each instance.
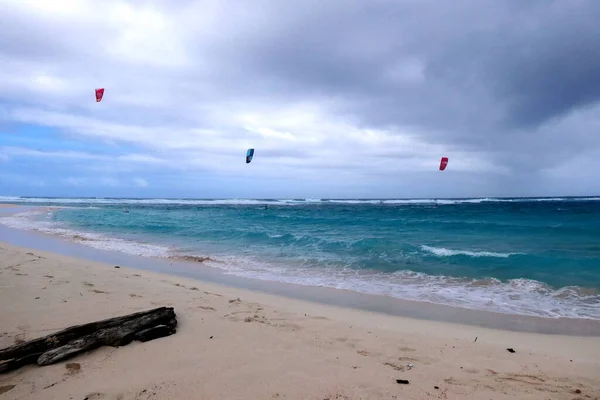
(140, 182)
(109, 182)
(26, 152)
(142, 158)
(129, 158)
(73, 181)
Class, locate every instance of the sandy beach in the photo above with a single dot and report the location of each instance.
(240, 344)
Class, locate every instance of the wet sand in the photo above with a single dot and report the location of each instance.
(235, 343)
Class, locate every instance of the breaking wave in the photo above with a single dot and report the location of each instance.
(114, 201)
(442, 252)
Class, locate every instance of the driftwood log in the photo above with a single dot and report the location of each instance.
(119, 331)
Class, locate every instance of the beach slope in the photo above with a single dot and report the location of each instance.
(237, 344)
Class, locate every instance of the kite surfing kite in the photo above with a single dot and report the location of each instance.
(99, 94)
(443, 163)
(249, 155)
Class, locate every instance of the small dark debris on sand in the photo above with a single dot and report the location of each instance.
(511, 350)
(116, 266)
(6, 388)
(235, 300)
(73, 367)
(436, 387)
(97, 396)
(402, 381)
(577, 391)
(211, 337)
(395, 366)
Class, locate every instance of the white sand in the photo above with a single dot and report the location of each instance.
(266, 347)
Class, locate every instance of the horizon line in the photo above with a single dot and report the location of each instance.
(4, 198)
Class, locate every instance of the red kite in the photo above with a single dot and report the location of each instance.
(443, 163)
(99, 94)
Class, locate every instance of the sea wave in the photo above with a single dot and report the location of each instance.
(516, 296)
(31, 221)
(115, 201)
(443, 252)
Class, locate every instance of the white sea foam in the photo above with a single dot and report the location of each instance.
(111, 201)
(442, 252)
(517, 296)
(33, 221)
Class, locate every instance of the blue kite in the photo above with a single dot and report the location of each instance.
(249, 155)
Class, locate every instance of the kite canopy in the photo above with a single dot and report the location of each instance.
(443, 163)
(99, 94)
(249, 155)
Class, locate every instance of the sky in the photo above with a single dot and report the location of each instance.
(339, 99)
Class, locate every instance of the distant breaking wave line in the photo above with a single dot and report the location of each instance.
(283, 202)
(442, 252)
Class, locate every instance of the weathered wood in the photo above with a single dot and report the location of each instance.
(15, 363)
(115, 336)
(69, 342)
(154, 333)
(63, 337)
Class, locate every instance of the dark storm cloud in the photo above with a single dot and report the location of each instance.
(485, 64)
(539, 65)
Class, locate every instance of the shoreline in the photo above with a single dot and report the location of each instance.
(514, 295)
(316, 294)
(246, 344)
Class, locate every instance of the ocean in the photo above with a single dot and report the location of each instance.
(525, 256)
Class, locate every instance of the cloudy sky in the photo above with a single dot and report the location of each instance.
(339, 98)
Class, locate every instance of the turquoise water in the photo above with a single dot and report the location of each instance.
(525, 256)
